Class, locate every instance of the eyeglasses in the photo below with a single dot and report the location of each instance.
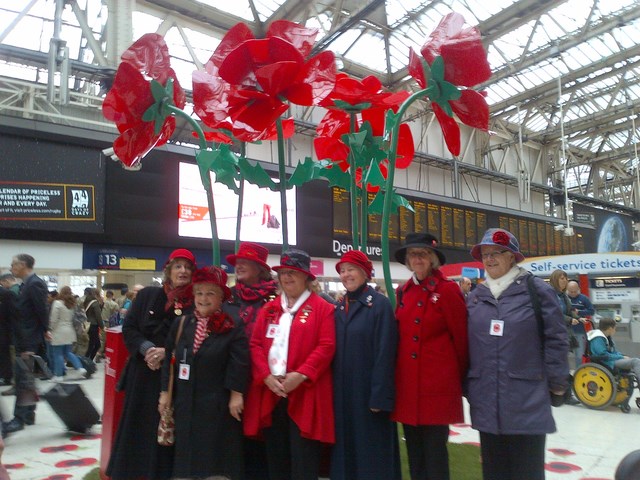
(418, 254)
(493, 255)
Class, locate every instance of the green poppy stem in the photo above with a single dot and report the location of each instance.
(388, 197)
(283, 185)
(353, 190)
(202, 143)
(243, 152)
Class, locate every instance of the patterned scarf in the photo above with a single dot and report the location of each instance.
(217, 323)
(179, 297)
(249, 295)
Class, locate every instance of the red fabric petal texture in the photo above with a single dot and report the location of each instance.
(332, 149)
(465, 60)
(302, 38)
(149, 55)
(335, 123)
(450, 129)
(472, 109)
(238, 34)
(416, 69)
(406, 148)
(314, 82)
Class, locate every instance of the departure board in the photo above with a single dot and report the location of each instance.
(405, 220)
(481, 224)
(420, 216)
(542, 238)
(434, 222)
(533, 238)
(523, 236)
(458, 228)
(446, 229)
(341, 213)
(471, 232)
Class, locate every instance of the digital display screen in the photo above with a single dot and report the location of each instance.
(261, 212)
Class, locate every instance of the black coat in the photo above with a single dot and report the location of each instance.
(363, 377)
(33, 315)
(136, 452)
(208, 438)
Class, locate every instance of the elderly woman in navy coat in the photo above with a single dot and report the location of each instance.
(363, 378)
(513, 366)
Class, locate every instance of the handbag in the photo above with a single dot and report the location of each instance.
(166, 426)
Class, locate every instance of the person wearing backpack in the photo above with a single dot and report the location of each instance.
(94, 316)
(63, 334)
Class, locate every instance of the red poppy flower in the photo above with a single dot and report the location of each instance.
(501, 238)
(465, 64)
(248, 81)
(371, 101)
(130, 97)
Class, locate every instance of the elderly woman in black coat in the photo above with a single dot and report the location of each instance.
(363, 377)
(136, 453)
(211, 372)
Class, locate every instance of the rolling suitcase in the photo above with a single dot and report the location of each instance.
(73, 407)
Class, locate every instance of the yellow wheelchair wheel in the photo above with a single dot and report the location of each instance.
(594, 386)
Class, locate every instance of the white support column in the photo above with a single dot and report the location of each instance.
(119, 29)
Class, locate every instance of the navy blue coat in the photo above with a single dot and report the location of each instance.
(363, 374)
(508, 379)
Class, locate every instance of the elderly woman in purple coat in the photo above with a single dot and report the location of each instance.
(514, 364)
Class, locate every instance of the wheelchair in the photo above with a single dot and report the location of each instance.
(597, 386)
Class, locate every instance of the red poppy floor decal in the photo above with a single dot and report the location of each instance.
(78, 462)
(561, 467)
(561, 451)
(59, 448)
(14, 466)
(462, 425)
(95, 436)
(477, 444)
(62, 476)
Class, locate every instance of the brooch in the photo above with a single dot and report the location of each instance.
(177, 308)
(368, 300)
(435, 297)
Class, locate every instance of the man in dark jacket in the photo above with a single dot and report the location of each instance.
(7, 319)
(31, 330)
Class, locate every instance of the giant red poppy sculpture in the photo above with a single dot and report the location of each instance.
(131, 97)
(452, 57)
(351, 135)
(249, 83)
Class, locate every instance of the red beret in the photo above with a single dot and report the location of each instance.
(359, 259)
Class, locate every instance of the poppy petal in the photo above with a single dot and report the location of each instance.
(472, 109)
(450, 129)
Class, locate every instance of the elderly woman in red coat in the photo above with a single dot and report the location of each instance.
(432, 357)
(290, 400)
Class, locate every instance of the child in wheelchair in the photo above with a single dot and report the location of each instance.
(603, 348)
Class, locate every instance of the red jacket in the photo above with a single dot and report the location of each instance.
(433, 354)
(312, 343)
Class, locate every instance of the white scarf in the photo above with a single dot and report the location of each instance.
(279, 351)
(499, 285)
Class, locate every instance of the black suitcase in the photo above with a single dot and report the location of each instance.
(73, 407)
(89, 365)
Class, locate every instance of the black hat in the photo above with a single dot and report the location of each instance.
(296, 260)
(419, 240)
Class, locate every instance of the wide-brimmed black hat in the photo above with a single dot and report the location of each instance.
(419, 240)
(295, 259)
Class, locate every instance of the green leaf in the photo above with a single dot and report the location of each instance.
(223, 163)
(336, 177)
(149, 114)
(256, 175)
(307, 171)
(347, 107)
(437, 69)
(158, 91)
(397, 201)
(373, 175)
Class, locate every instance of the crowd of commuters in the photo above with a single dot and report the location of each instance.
(269, 380)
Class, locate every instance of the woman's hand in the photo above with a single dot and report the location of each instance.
(154, 357)
(575, 321)
(236, 405)
(293, 380)
(275, 385)
(163, 402)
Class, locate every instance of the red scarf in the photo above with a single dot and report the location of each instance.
(178, 298)
(218, 323)
(249, 295)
